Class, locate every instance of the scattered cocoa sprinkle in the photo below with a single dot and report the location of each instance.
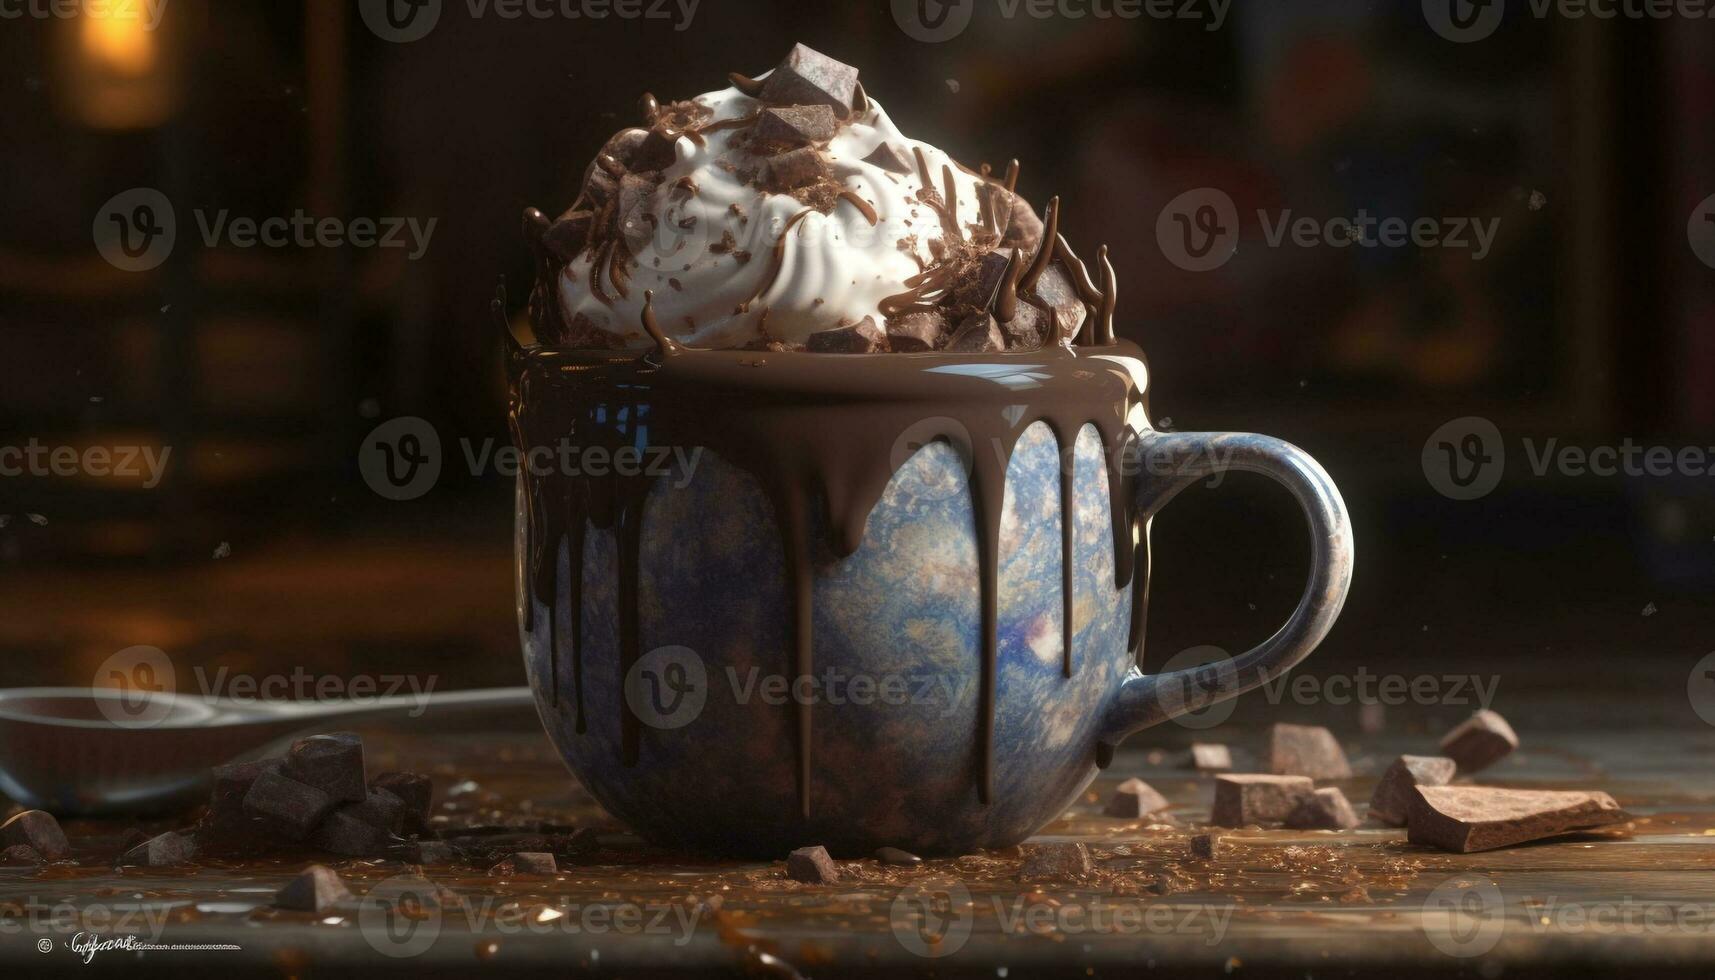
(742, 256)
(726, 245)
(675, 283)
(735, 210)
(818, 301)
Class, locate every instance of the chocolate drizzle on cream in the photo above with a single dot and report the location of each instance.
(817, 433)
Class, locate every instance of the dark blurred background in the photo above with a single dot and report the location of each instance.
(1589, 320)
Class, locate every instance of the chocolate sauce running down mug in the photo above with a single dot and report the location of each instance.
(770, 600)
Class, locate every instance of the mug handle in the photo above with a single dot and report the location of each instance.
(1171, 462)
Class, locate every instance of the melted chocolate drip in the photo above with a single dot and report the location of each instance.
(816, 431)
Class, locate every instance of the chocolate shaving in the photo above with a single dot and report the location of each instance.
(863, 206)
(744, 83)
(923, 169)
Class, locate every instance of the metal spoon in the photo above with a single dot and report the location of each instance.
(88, 751)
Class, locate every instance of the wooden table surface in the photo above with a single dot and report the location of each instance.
(1273, 903)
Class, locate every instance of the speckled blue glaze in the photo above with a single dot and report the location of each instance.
(905, 605)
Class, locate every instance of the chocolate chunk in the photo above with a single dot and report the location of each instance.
(1205, 846)
(38, 830)
(797, 125)
(1398, 786)
(916, 332)
(331, 763)
(887, 157)
(1055, 293)
(566, 237)
(433, 852)
(809, 77)
(286, 807)
(1480, 818)
(381, 809)
(19, 856)
(978, 334)
(623, 145)
(1306, 750)
(1028, 328)
(656, 151)
(233, 781)
(1023, 225)
(349, 832)
(526, 863)
(812, 865)
(1241, 800)
(165, 850)
(600, 186)
(1325, 809)
(796, 168)
(1481, 741)
(1135, 799)
(981, 281)
(862, 337)
(315, 889)
(415, 791)
(898, 858)
(1210, 757)
(1059, 860)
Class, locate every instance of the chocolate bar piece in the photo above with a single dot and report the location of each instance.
(330, 763)
(162, 851)
(1028, 328)
(862, 337)
(795, 125)
(286, 807)
(415, 791)
(1480, 818)
(897, 858)
(1059, 860)
(1205, 846)
(526, 863)
(983, 278)
(37, 830)
(796, 168)
(1398, 786)
(233, 781)
(978, 334)
(1479, 742)
(1134, 799)
(350, 833)
(1252, 798)
(912, 333)
(1306, 750)
(887, 157)
(809, 77)
(568, 235)
(812, 865)
(1055, 292)
(1325, 809)
(316, 889)
(19, 856)
(1210, 757)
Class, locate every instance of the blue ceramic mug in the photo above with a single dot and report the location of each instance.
(899, 727)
